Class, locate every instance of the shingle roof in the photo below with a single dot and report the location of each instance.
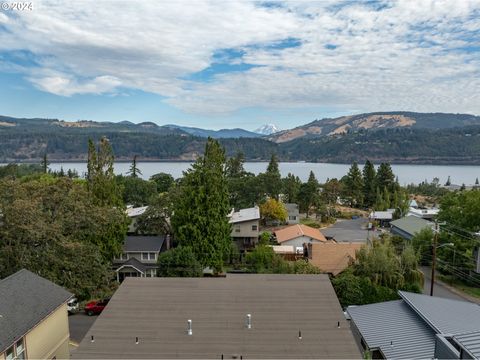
(156, 311)
(470, 342)
(446, 316)
(395, 329)
(25, 300)
(411, 224)
(297, 230)
(245, 215)
(135, 263)
(333, 257)
(143, 243)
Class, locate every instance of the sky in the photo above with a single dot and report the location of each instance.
(227, 64)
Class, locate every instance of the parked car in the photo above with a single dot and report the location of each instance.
(72, 306)
(96, 307)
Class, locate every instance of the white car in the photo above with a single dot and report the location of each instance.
(72, 305)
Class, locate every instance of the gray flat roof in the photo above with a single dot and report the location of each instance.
(446, 316)
(25, 300)
(245, 215)
(395, 329)
(156, 311)
(143, 243)
(411, 224)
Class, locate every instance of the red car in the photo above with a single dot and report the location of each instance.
(96, 307)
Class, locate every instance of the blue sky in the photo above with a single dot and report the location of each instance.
(217, 64)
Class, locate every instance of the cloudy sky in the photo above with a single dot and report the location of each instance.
(223, 64)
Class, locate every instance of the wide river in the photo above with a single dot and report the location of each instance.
(407, 174)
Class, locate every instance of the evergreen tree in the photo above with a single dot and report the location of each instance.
(386, 198)
(448, 183)
(272, 180)
(235, 164)
(45, 163)
(476, 182)
(385, 177)
(369, 184)
(134, 170)
(100, 177)
(379, 201)
(200, 214)
(309, 194)
(291, 188)
(353, 186)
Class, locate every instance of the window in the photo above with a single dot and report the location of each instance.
(237, 228)
(10, 353)
(254, 227)
(152, 256)
(20, 347)
(144, 256)
(123, 256)
(292, 218)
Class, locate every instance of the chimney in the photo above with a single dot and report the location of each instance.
(249, 321)
(189, 327)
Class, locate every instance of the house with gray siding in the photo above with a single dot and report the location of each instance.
(139, 256)
(418, 326)
(293, 213)
(245, 227)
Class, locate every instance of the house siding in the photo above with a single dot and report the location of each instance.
(50, 338)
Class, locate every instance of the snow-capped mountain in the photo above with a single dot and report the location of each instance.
(267, 129)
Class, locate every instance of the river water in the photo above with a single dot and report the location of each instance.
(407, 174)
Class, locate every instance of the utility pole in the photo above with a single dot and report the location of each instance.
(434, 257)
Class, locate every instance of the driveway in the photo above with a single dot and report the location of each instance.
(440, 289)
(79, 324)
(348, 230)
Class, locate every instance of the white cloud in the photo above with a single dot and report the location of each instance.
(405, 54)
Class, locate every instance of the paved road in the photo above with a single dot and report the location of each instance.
(438, 289)
(79, 324)
(348, 230)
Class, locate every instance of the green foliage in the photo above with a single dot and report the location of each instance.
(179, 262)
(200, 214)
(163, 181)
(309, 196)
(353, 186)
(134, 170)
(378, 273)
(265, 238)
(273, 210)
(100, 177)
(52, 227)
(271, 179)
(291, 188)
(155, 220)
(135, 190)
(369, 184)
(19, 170)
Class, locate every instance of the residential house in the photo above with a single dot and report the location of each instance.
(293, 213)
(408, 226)
(382, 217)
(332, 257)
(139, 256)
(134, 213)
(427, 214)
(275, 316)
(33, 318)
(418, 327)
(245, 227)
(298, 235)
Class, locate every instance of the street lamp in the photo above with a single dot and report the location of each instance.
(434, 260)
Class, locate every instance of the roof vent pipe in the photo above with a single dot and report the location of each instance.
(249, 321)
(189, 327)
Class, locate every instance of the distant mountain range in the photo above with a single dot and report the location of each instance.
(401, 137)
(216, 134)
(375, 121)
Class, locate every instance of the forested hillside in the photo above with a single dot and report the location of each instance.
(30, 139)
